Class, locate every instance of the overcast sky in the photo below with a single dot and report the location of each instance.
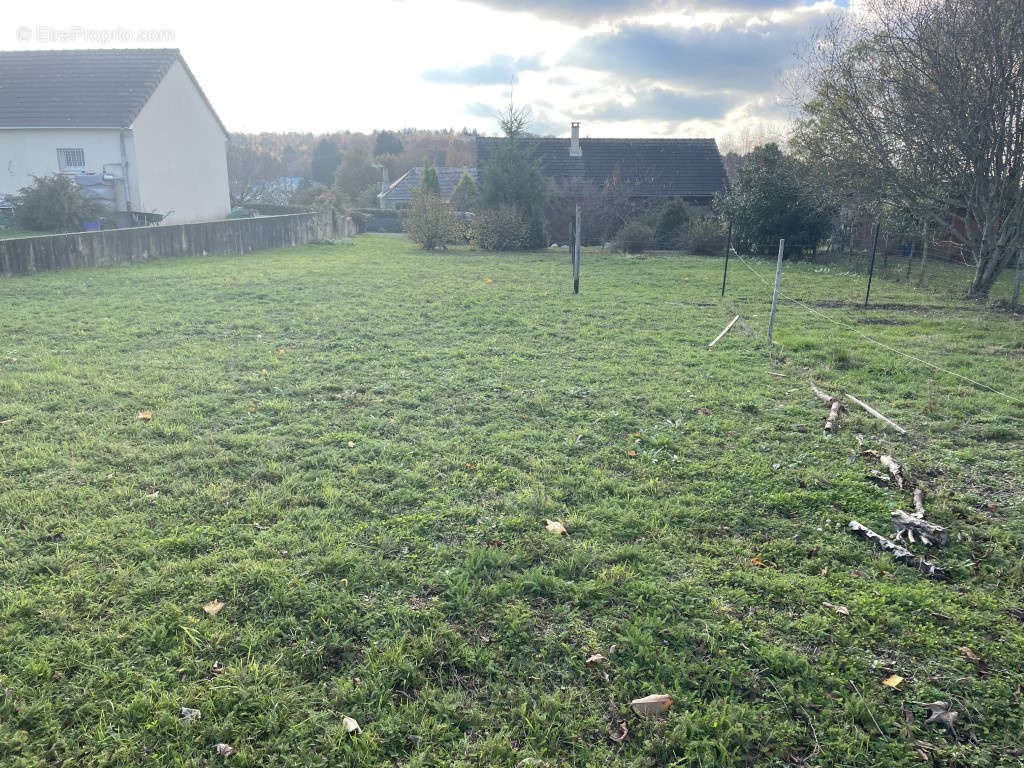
(622, 67)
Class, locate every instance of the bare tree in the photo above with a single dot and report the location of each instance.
(920, 104)
(250, 169)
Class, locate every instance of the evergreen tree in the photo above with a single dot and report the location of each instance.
(326, 157)
(466, 196)
(429, 181)
(387, 143)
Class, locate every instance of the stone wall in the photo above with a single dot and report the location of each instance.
(124, 246)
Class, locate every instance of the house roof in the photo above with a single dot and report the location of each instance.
(401, 190)
(645, 167)
(104, 88)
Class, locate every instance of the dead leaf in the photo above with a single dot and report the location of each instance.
(213, 607)
(153, 495)
(939, 713)
(188, 714)
(555, 526)
(655, 704)
(631, 453)
(758, 562)
(224, 750)
(145, 415)
(893, 681)
(488, 280)
(842, 610)
(596, 658)
(351, 444)
(618, 731)
(280, 351)
(351, 725)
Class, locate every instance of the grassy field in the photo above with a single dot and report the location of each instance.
(355, 448)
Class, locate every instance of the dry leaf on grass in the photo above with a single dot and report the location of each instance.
(758, 562)
(631, 453)
(188, 714)
(596, 658)
(351, 725)
(939, 713)
(618, 731)
(213, 607)
(351, 444)
(893, 681)
(655, 704)
(555, 526)
(969, 654)
(842, 610)
(224, 750)
(145, 415)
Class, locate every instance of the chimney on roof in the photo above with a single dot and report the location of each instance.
(575, 150)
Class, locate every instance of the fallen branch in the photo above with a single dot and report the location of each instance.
(835, 407)
(929, 533)
(918, 502)
(902, 554)
(895, 470)
(877, 415)
(725, 331)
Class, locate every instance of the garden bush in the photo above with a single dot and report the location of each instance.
(431, 222)
(635, 237)
(502, 228)
(705, 236)
(54, 204)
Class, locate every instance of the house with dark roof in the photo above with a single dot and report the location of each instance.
(691, 169)
(132, 127)
(399, 194)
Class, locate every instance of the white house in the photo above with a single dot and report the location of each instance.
(133, 127)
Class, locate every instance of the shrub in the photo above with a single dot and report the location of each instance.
(705, 236)
(500, 229)
(635, 237)
(431, 222)
(672, 221)
(466, 196)
(774, 197)
(54, 203)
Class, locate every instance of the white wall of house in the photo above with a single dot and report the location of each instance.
(180, 153)
(28, 152)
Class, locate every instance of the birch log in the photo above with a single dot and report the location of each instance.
(908, 525)
(918, 502)
(902, 554)
(835, 407)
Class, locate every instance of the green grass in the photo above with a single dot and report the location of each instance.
(356, 447)
(8, 233)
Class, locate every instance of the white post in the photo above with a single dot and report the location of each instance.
(775, 293)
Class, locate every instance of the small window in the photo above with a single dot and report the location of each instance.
(70, 159)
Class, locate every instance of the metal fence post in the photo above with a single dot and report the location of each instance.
(576, 255)
(775, 293)
(728, 245)
(871, 269)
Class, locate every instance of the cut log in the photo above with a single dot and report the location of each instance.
(725, 331)
(902, 554)
(908, 525)
(835, 407)
(895, 470)
(877, 415)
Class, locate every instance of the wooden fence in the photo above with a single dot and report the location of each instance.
(124, 246)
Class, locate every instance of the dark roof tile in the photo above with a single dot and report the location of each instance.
(104, 88)
(645, 167)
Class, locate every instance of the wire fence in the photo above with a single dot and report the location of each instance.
(918, 260)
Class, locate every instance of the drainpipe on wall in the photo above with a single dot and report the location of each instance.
(126, 178)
